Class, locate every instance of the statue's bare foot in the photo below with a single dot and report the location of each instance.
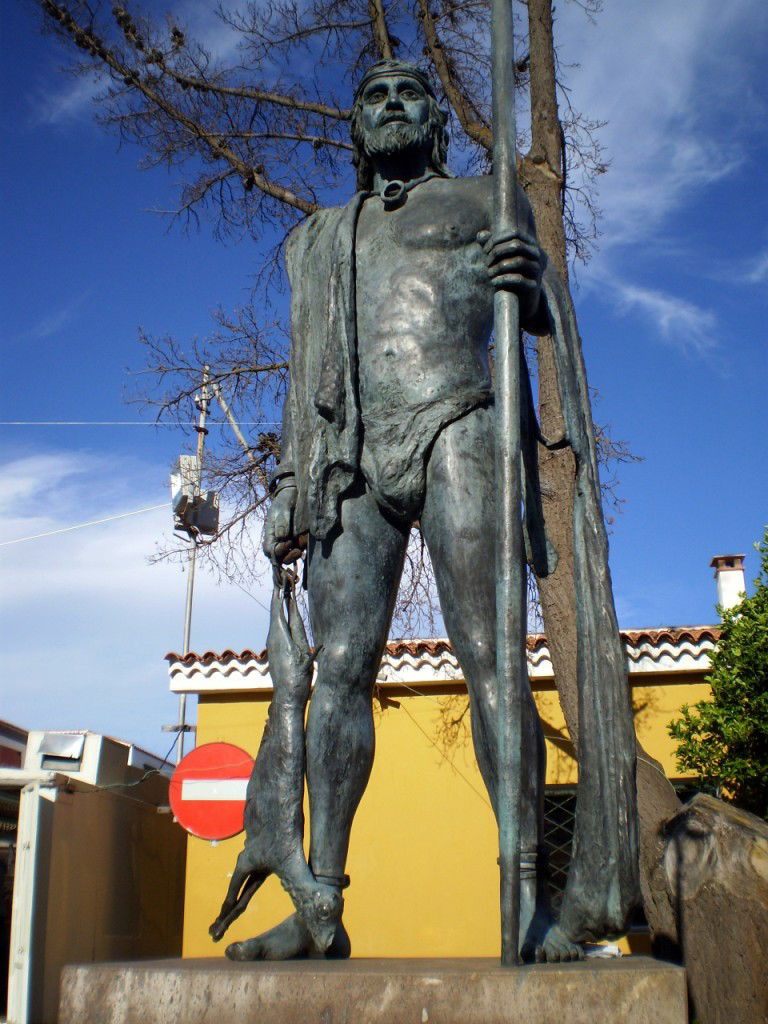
(289, 940)
(546, 942)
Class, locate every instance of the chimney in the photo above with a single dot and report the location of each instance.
(729, 573)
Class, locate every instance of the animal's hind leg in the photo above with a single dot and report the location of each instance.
(352, 582)
(245, 882)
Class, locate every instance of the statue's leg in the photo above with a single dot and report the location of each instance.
(352, 583)
(352, 580)
(458, 522)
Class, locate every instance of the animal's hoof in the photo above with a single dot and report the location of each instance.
(341, 947)
(216, 931)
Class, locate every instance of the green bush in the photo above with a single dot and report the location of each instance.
(725, 739)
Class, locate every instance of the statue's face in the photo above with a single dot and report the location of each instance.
(395, 113)
(395, 100)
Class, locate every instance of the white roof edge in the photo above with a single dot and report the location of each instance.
(430, 670)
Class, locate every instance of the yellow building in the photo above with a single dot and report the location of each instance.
(422, 861)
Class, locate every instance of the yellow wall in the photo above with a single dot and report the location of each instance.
(422, 861)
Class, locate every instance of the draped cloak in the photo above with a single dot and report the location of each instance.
(321, 445)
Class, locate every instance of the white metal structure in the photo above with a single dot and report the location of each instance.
(82, 881)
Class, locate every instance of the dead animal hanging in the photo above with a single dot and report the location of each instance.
(274, 815)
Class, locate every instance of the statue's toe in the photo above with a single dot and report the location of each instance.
(551, 945)
(556, 947)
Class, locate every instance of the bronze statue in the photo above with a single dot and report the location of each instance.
(389, 420)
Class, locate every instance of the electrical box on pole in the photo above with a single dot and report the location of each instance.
(193, 512)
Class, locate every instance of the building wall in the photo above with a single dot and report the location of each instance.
(108, 886)
(422, 860)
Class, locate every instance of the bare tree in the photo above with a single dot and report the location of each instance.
(262, 146)
(262, 138)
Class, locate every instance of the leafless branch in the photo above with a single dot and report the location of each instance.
(260, 136)
(470, 118)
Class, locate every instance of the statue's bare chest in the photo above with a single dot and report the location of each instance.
(439, 215)
(423, 301)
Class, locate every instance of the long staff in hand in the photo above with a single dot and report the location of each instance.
(511, 669)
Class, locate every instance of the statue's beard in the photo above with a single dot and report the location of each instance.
(397, 139)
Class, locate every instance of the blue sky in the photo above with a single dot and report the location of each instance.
(672, 308)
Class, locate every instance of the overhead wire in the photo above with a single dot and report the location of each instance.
(81, 526)
(128, 423)
(436, 745)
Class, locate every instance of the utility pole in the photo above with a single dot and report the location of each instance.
(195, 513)
(202, 430)
(226, 409)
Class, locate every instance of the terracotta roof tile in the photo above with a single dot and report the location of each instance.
(224, 657)
(440, 645)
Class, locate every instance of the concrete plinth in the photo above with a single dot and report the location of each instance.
(634, 990)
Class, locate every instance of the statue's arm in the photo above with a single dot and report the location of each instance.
(280, 542)
(285, 470)
(516, 263)
(287, 467)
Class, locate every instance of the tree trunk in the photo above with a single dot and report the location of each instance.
(543, 178)
(705, 888)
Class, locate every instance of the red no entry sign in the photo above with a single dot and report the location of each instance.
(207, 790)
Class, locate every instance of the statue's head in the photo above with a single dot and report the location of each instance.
(395, 112)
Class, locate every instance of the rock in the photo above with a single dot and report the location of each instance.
(715, 862)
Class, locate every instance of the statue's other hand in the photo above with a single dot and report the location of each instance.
(514, 263)
(279, 541)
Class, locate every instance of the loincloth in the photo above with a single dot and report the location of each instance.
(397, 443)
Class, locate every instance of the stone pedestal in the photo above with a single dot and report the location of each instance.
(633, 990)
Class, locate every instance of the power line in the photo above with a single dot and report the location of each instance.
(128, 423)
(80, 526)
(436, 745)
(253, 597)
(85, 423)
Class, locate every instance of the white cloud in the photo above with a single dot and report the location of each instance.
(674, 82)
(25, 482)
(758, 270)
(678, 87)
(86, 619)
(679, 322)
(64, 100)
(206, 28)
(54, 322)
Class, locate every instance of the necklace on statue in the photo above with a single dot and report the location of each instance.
(395, 192)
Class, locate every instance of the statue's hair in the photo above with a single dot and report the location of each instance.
(437, 121)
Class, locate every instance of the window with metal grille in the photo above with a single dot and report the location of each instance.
(559, 819)
(559, 816)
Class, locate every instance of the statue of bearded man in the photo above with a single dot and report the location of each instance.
(390, 420)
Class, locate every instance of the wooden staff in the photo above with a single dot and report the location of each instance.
(511, 624)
